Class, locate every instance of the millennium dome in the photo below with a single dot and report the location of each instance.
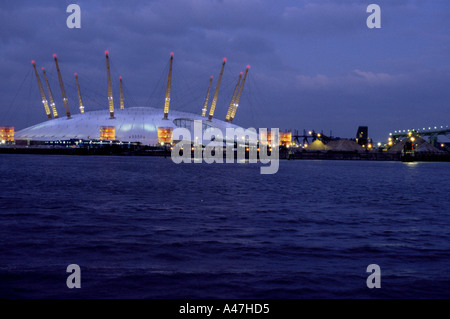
(145, 125)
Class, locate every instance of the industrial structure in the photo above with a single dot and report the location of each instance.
(432, 132)
(145, 125)
(362, 136)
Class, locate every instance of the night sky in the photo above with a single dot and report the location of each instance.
(314, 64)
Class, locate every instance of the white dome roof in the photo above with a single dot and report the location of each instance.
(136, 124)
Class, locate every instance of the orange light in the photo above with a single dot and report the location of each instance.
(107, 133)
(285, 138)
(165, 134)
(7, 133)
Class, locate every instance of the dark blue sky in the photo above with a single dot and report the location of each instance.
(314, 64)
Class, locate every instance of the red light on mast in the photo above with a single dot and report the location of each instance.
(54, 55)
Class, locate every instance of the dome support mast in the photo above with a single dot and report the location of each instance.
(233, 98)
(205, 105)
(238, 98)
(216, 92)
(122, 106)
(41, 90)
(168, 88)
(63, 91)
(50, 95)
(110, 93)
(80, 100)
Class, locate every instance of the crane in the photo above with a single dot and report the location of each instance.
(63, 91)
(41, 90)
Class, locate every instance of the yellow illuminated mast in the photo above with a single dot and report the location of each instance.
(216, 92)
(238, 98)
(169, 84)
(41, 90)
(233, 98)
(205, 105)
(50, 95)
(61, 85)
(122, 106)
(80, 100)
(110, 93)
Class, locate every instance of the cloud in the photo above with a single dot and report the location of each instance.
(352, 82)
(412, 82)
(324, 18)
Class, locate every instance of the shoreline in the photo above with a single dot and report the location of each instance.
(284, 154)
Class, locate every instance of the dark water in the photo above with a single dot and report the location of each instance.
(147, 228)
